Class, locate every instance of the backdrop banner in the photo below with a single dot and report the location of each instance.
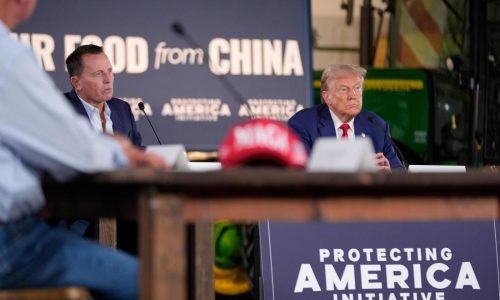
(380, 261)
(199, 66)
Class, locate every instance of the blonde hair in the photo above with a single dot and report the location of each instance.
(340, 70)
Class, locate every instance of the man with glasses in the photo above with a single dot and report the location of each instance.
(341, 115)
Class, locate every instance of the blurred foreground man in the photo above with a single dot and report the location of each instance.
(341, 115)
(40, 133)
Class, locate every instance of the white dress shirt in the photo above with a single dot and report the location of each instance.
(95, 117)
(337, 123)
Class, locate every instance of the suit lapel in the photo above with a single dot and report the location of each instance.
(114, 117)
(325, 124)
(77, 104)
(112, 108)
(361, 125)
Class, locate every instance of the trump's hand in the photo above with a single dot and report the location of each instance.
(138, 157)
(382, 162)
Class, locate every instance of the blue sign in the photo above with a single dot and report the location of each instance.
(199, 66)
(380, 261)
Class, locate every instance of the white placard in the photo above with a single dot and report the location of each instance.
(435, 169)
(204, 166)
(175, 155)
(330, 154)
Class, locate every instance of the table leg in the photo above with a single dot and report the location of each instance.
(162, 248)
(106, 231)
(204, 259)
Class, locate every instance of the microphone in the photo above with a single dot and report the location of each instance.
(179, 29)
(141, 107)
(398, 152)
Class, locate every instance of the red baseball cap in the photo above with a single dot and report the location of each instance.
(262, 140)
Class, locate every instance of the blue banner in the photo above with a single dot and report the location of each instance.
(199, 66)
(380, 261)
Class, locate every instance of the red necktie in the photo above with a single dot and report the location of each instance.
(345, 128)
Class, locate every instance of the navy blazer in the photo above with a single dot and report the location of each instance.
(121, 115)
(314, 122)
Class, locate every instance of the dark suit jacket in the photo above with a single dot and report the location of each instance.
(314, 122)
(121, 115)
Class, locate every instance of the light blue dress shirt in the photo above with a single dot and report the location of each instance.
(95, 118)
(40, 132)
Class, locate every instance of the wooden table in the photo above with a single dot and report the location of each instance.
(164, 202)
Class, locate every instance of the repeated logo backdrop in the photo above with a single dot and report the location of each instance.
(380, 261)
(199, 66)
